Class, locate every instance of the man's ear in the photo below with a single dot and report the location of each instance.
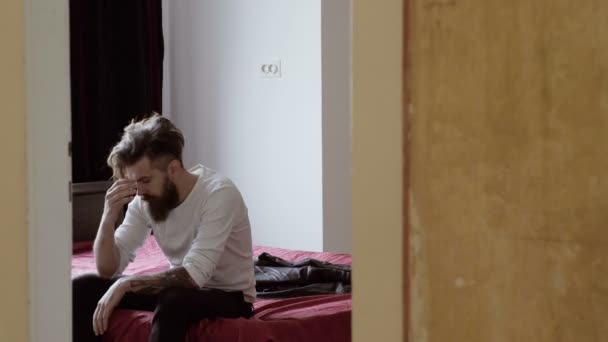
(173, 167)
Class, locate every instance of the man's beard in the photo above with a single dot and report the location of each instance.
(160, 206)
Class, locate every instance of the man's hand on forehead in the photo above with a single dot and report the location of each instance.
(126, 182)
(119, 194)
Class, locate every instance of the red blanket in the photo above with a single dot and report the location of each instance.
(313, 318)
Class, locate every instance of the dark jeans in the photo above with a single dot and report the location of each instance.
(175, 309)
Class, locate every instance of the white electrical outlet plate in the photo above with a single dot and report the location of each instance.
(271, 69)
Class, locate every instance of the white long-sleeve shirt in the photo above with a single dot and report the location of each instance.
(208, 234)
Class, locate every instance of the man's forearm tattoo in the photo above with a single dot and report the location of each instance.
(154, 283)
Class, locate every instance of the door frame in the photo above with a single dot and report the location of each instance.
(48, 169)
(405, 97)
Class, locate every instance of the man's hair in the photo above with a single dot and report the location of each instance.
(154, 137)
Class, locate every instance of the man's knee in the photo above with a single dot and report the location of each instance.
(89, 287)
(86, 281)
(172, 303)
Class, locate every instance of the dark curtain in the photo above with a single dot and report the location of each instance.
(116, 50)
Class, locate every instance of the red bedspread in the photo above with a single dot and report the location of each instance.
(313, 318)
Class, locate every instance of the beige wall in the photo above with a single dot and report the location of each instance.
(509, 170)
(377, 171)
(13, 244)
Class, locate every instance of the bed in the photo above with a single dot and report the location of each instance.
(311, 318)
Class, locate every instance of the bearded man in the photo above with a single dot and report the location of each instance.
(198, 219)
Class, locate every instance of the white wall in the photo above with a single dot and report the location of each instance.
(337, 160)
(166, 96)
(265, 133)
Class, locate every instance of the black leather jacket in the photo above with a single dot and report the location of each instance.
(279, 278)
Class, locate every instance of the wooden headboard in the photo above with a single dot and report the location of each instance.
(87, 207)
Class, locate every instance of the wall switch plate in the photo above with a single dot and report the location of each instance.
(271, 69)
